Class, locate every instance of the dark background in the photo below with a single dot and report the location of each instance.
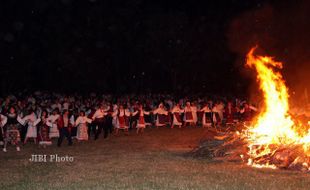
(141, 46)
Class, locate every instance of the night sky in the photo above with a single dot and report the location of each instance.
(125, 46)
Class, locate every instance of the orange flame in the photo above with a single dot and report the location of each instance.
(274, 127)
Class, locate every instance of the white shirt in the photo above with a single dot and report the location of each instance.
(82, 120)
(100, 113)
(141, 113)
(53, 118)
(206, 109)
(188, 109)
(3, 120)
(177, 109)
(161, 111)
(30, 119)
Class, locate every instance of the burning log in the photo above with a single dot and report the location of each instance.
(282, 158)
(300, 163)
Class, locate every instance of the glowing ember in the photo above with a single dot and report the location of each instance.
(274, 139)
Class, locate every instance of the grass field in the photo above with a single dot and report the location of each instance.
(153, 160)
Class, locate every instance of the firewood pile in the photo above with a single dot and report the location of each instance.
(219, 145)
(233, 147)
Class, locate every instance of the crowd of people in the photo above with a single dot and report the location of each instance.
(42, 116)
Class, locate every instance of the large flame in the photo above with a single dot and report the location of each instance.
(274, 128)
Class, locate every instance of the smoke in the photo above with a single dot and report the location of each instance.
(282, 30)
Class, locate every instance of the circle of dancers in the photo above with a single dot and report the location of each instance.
(41, 117)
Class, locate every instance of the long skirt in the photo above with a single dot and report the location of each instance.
(141, 122)
(12, 134)
(161, 120)
(54, 132)
(31, 132)
(115, 122)
(177, 119)
(82, 132)
(189, 117)
(207, 119)
(123, 122)
(44, 135)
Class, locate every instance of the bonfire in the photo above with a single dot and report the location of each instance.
(273, 139)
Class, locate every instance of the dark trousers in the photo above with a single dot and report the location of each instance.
(23, 132)
(109, 124)
(64, 132)
(133, 122)
(91, 130)
(209, 117)
(2, 134)
(102, 126)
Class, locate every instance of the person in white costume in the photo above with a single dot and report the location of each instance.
(122, 119)
(81, 124)
(3, 120)
(207, 116)
(30, 120)
(194, 112)
(161, 115)
(54, 132)
(188, 114)
(176, 112)
(141, 121)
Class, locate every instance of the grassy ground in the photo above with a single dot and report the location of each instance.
(154, 160)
